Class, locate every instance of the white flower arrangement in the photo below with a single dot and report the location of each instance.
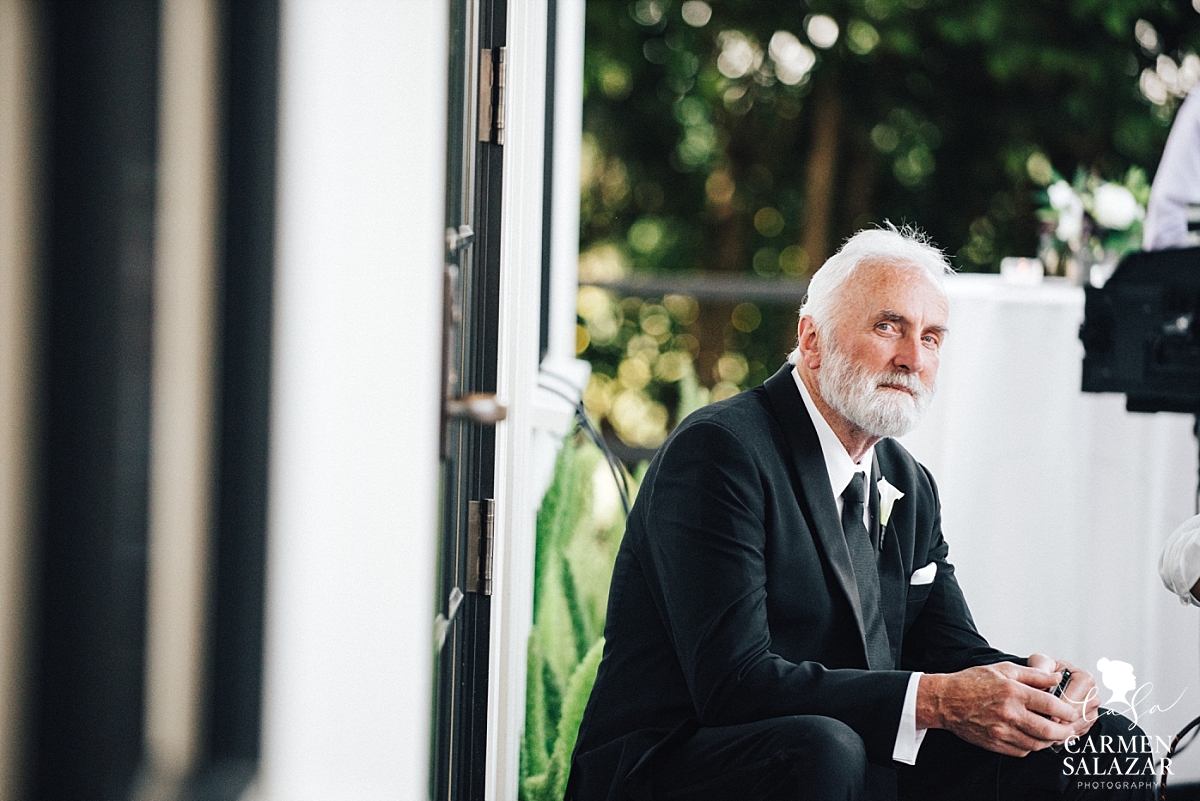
(1091, 221)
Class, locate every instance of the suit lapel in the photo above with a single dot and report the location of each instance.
(815, 496)
(893, 590)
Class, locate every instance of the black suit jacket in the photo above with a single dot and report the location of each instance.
(733, 598)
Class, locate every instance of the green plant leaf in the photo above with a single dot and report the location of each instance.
(535, 754)
(579, 689)
(579, 626)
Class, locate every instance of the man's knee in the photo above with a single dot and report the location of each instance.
(830, 758)
(835, 742)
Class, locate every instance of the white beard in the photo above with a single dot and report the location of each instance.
(856, 395)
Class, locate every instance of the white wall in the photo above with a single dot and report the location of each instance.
(352, 521)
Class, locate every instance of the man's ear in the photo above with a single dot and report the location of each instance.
(809, 343)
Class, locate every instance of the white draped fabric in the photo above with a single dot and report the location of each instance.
(1057, 503)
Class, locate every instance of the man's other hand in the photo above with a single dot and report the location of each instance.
(1081, 691)
(1003, 707)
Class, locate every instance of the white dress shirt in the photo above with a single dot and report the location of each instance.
(841, 468)
(1177, 181)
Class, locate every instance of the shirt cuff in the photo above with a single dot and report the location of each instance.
(909, 737)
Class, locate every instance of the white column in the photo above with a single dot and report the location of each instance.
(562, 375)
(568, 139)
(520, 321)
(354, 465)
(18, 232)
(538, 420)
(181, 412)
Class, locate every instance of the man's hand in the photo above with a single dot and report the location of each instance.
(1003, 707)
(1081, 691)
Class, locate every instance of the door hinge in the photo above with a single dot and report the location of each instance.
(481, 529)
(491, 95)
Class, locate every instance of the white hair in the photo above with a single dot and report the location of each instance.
(904, 246)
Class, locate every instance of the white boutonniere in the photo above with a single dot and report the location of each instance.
(888, 495)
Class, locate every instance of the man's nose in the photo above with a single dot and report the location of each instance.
(910, 355)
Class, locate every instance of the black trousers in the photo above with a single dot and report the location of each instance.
(810, 757)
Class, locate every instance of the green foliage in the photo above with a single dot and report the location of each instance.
(643, 374)
(579, 688)
(535, 748)
(577, 538)
(664, 114)
(708, 128)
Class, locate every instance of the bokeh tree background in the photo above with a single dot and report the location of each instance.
(753, 136)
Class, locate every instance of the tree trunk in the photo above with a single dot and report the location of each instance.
(860, 182)
(822, 169)
(728, 254)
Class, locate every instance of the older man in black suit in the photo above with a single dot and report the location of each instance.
(783, 622)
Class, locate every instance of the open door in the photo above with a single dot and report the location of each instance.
(475, 136)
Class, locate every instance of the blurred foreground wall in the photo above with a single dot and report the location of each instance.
(220, 317)
(227, 532)
(17, 244)
(355, 416)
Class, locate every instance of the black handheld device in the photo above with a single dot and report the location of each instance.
(1058, 691)
(1062, 685)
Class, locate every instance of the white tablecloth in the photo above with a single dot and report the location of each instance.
(1056, 503)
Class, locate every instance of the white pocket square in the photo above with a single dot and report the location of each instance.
(925, 575)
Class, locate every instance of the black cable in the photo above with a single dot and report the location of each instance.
(1191, 739)
(1162, 786)
(619, 474)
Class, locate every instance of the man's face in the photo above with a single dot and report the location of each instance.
(880, 369)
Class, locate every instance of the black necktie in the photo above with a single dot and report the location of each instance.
(866, 573)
